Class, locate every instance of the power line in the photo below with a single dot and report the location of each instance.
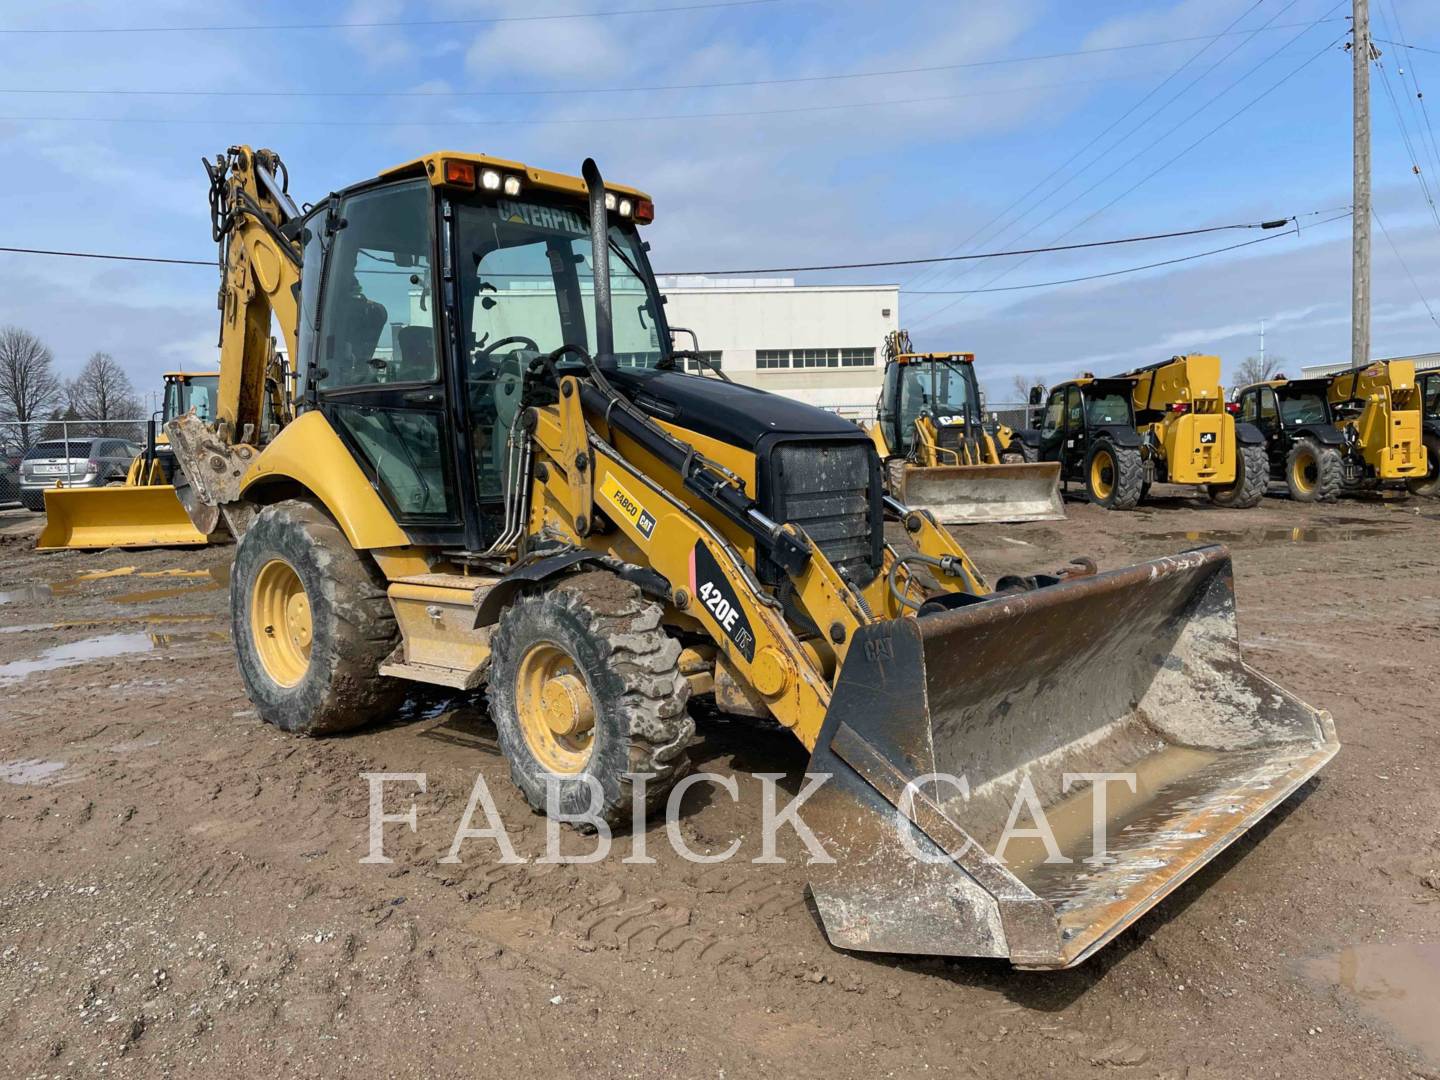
(1408, 143)
(652, 88)
(1418, 109)
(1151, 144)
(373, 25)
(1176, 157)
(1127, 270)
(1406, 45)
(985, 228)
(1272, 224)
(1275, 224)
(1405, 266)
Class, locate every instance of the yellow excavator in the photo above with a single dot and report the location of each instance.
(498, 475)
(930, 434)
(145, 510)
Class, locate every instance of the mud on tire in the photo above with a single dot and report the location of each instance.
(1252, 480)
(1314, 473)
(612, 636)
(353, 628)
(1429, 484)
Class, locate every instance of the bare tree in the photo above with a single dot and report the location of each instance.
(1022, 385)
(102, 391)
(1255, 369)
(29, 387)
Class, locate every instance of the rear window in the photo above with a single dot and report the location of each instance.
(56, 448)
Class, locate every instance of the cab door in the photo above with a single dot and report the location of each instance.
(1077, 434)
(370, 358)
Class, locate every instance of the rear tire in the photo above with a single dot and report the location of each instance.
(1314, 473)
(1429, 484)
(584, 681)
(1114, 476)
(1028, 454)
(1252, 480)
(311, 624)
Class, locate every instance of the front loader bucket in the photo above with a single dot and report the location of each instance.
(146, 516)
(1022, 699)
(976, 494)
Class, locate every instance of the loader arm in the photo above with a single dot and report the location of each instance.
(1388, 424)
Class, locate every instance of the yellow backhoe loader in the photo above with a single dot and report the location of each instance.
(498, 476)
(1165, 423)
(931, 438)
(1336, 433)
(144, 511)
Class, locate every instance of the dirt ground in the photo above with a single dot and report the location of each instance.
(181, 891)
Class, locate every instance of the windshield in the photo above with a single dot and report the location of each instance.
(527, 282)
(198, 392)
(940, 387)
(1108, 408)
(1303, 408)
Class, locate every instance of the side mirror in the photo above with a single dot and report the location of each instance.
(1037, 394)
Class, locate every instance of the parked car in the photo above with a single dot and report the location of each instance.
(81, 462)
(9, 478)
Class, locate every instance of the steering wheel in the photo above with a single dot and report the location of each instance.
(496, 346)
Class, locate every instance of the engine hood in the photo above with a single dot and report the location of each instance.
(739, 415)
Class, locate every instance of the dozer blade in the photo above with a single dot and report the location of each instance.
(146, 516)
(1135, 672)
(977, 494)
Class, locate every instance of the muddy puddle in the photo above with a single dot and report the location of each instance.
(1297, 534)
(216, 577)
(1396, 985)
(33, 771)
(100, 647)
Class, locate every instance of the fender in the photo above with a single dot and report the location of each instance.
(1121, 436)
(1249, 435)
(498, 597)
(1028, 436)
(309, 452)
(1324, 434)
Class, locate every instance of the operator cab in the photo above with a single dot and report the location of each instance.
(440, 283)
(187, 390)
(1079, 411)
(941, 386)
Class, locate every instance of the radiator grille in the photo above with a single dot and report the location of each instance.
(827, 489)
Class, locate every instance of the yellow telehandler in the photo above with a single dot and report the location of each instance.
(145, 510)
(937, 453)
(498, 476)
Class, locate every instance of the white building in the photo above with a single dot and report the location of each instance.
(1423, 362)
(821, 344)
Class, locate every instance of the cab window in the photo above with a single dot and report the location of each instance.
(1054, 411)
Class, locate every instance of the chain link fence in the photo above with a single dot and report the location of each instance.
(79, 453)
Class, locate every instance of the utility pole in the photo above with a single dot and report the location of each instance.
(1360, 219)
(1262, 348)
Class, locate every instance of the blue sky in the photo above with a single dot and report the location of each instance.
(827, 170)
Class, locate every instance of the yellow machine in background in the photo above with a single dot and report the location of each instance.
(477, 491)
(1378, 409)
(145, 511)
(930, 434)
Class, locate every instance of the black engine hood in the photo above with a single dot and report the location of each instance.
(738, 415)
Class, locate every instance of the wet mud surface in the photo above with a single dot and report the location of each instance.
(182, 891)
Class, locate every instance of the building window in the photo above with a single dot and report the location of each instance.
(772, 358)
(813, 358)
(712, 355)
(857, 357)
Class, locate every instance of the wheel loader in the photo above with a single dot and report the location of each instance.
(498, 477)
(145, 510)
(938, 455)
(1166, 423)
(1332, 434)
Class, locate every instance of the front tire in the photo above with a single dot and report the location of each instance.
(1314, 473)
(1114, 476)
(1252, 480)
(311, 624)
(585, 685)
(1429, 484)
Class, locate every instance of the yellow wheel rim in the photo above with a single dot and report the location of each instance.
(280, 622)
(1305, 472)
(1102, 474)
(556, 712)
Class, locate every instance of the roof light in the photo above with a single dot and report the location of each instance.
(627, 208)
(512, 185)
(610, 200)
(644, 211)
(460, 172)
(490, 180)
(1232, 407)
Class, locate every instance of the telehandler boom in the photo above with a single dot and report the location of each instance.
(476, 491)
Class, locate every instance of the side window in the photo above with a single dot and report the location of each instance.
(312, 269)
(1250, 407)
(1054, 412)
(1267, 411)
(376, 311)
(1074, 410)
